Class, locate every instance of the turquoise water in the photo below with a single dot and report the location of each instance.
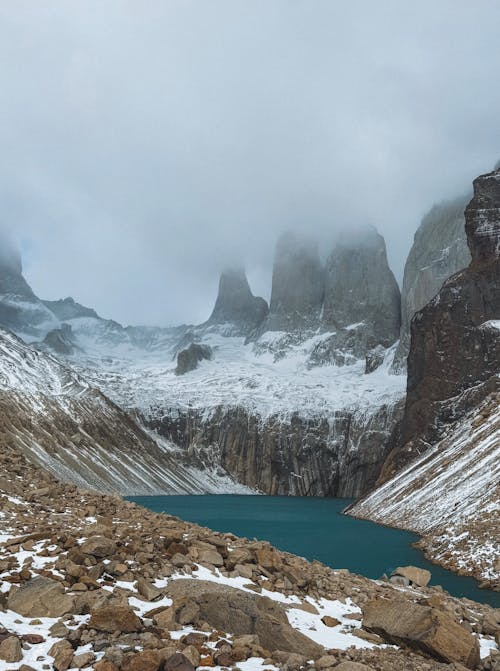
(315, 528)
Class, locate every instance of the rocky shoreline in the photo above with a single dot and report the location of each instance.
(91, 581)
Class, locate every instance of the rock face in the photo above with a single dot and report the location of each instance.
(353, 295)
(439, 251)
(236, 304)
(455, 339)
(298, 287)
(361, 288)
(20, 310)
(305, 457)
(188, 359)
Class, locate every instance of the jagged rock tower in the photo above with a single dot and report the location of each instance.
(236, 305)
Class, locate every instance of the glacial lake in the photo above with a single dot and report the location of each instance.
(315, 528)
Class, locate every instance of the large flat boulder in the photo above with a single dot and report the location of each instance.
(41, 597)
(424, 628)
(239, 613)
(416, 576)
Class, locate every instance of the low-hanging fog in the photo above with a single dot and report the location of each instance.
(146, 145)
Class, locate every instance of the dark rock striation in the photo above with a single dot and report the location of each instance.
(439, 251)
(342, 456)
(236, 305)
(455, 339)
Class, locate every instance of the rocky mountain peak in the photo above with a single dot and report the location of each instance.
(483, 219)
(360, 287)
(236, 304)
(297, 287)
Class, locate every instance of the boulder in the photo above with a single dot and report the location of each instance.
(41, 597)
(425, 629)
(178, 662)
(416, 576)
(188, 359)
(98, 546)
(10, 650)
(147, 590)
(352, 666)
(228, 609)
(115, 618)
(63, 653)
(148, 660)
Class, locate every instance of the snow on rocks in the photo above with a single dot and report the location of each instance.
(142, 597)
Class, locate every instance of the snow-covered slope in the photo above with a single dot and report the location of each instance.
(451, 495)
(57, 419)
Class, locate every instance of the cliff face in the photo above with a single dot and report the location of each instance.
(20, 309)
(455, 339)
(353, 296)
(360, 287)
(236, 304)
(297, 289)
(340, 457)
(439, 251)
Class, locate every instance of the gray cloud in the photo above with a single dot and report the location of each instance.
(147, 144)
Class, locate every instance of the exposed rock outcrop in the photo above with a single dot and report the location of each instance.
(341, 456)
(455, 341)
(188, 359)
(20, 309)
(298, 284)
(236, 305)
(360, 289)
(439, 251)
(353, 296)
(60, 341)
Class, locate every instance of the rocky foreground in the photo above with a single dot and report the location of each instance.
(92, 581)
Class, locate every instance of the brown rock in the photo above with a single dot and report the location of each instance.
(353, 666)
(330, 621)
(10, 650)
(98, 546)
(192, 654)
(422, 628)
(62, 652)
(105, 665)
(115, 618)
(148, 660)
(83, 660)
(417, 576)
(147, 590)
(41, 597)
(178, 662)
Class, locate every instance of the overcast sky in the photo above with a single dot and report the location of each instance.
(146, 144)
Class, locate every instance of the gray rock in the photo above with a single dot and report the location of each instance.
(361, 289)
(188, 359)
(236, 305)
(439, 251)
(297, 289)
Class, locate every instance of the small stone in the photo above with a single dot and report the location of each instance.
(330, 621)
(83, 660)
(148, 660)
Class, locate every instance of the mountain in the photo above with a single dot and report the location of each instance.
(442, 476)
(236, 306)
(20, 309)
(439, 251)
(352, 298)
(53, 416)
